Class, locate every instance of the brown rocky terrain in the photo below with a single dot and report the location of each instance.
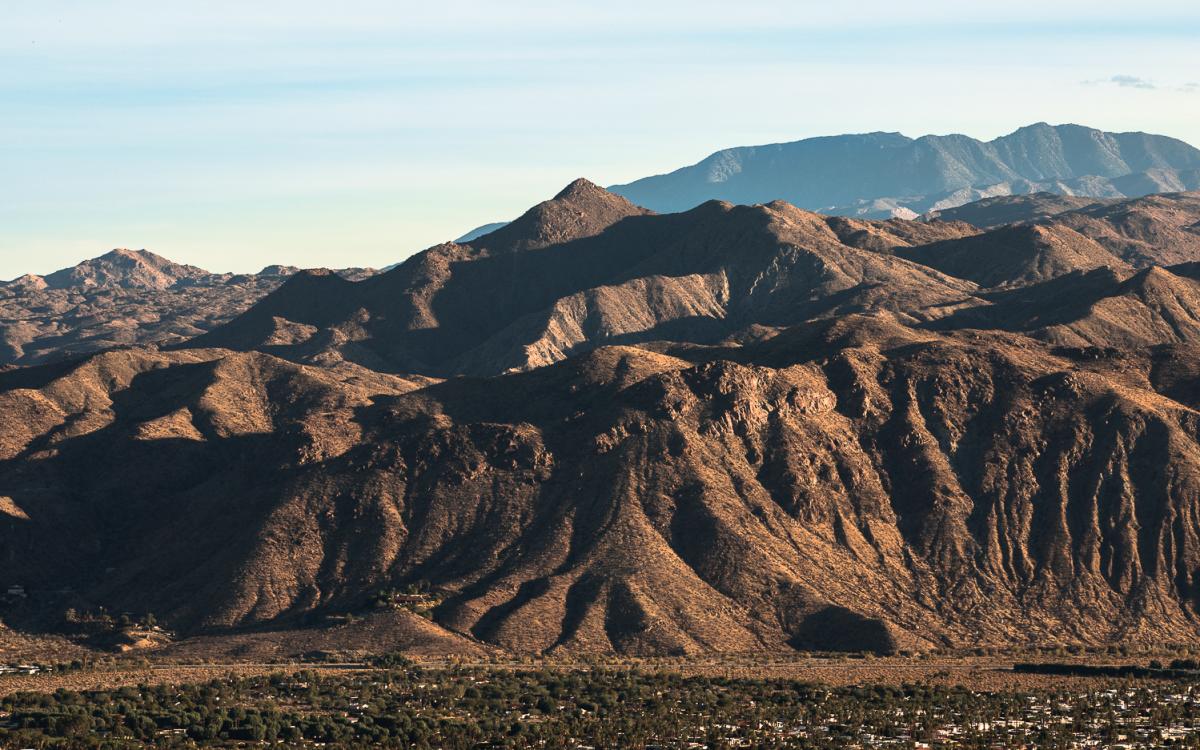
(1155, 230)
(1015, 255)
(123, 297)
(597, 430)
(848, 484)
(550, 285)
(987, 213)
(514, 299)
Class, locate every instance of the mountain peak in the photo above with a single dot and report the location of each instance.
(118, 268)
(581, 209)
(278, 270)
(124, 252)
(580, 188)
(1043, 125)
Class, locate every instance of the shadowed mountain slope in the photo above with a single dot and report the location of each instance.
(1015, 255)
(587, 268)
(1155, 230)
(1101, 308)
(844, 484)
(987, 213)
(732, 429)
(582, 269)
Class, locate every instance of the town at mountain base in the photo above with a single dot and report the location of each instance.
(604, 430)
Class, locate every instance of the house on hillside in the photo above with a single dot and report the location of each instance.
(410, 598)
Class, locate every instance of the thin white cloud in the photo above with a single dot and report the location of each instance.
(233, 134)
(1132, 82)
(1143, 84)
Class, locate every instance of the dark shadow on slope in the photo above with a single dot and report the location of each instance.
(1059, 301)
(484, 295)
(114, 519)
(485, 629)
(480, 296)
(580, 596)
(39, 376)
(839, 629)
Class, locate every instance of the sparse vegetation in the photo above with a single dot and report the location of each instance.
(415, 597)
(407, 706)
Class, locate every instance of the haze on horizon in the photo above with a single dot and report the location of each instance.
(235, 137)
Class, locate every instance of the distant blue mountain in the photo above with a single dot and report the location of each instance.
(480, 231)
(889, 174)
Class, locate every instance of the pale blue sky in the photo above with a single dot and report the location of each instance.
(232, 135)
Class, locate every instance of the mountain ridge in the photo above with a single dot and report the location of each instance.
(547, 286)
(520, 279)
(746, 494)
(120, 267)
(888, 174)
(602, 430)
(120, 298)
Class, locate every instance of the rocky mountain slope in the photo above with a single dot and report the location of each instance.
(552, 284)
(122, 297)
(121, 268)
(891, 175)
(732, 429)
(853, 484)
(987, 213)
(589, 267)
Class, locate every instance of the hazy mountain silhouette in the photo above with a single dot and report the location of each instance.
(889, 174)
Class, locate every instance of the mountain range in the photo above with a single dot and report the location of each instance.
(602, 429)
(589, 268)
(123, 297)
(886, 175)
